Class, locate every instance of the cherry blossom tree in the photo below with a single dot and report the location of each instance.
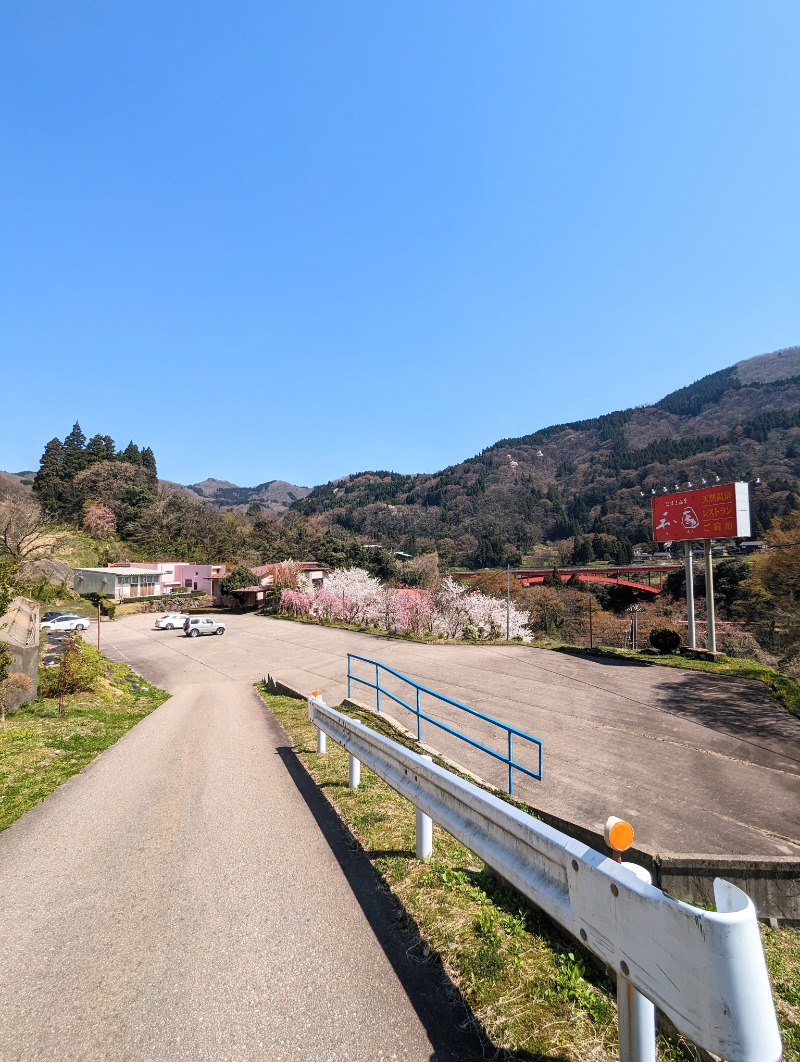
(296, 602)
(357, 591)
(326, 604)
(451, 611)
(99, 521)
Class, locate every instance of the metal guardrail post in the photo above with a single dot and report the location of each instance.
(322, 737)
(510, 764)
(636, 1014)
(378, 688)
(419, 718)
(349, 676)
(424, 831)
(354, 771)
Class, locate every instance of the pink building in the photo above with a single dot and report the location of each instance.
(179, 575)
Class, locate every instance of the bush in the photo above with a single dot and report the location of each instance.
(77, 671)
(665, 640)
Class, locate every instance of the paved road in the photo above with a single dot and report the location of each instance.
(700, 764)
(189, 896)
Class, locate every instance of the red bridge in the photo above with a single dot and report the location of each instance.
(618, 575)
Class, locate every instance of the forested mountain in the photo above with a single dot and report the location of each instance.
(275, 496)
(592, 476)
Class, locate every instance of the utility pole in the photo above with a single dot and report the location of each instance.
(508, 602)
(591, 635)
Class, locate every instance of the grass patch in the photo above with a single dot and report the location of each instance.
(534, 989)
(39, 750)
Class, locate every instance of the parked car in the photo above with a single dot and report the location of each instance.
(197, 625)
(170, 621)
(55, 615)
(65, 623)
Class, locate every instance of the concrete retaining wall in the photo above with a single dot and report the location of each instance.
(19, 629)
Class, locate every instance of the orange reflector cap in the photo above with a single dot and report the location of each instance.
(618, 834)
(315, 693)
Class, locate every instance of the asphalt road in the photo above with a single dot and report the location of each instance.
(190, 895)
(698, 763)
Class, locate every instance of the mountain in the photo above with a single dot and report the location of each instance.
(590, 476)
(276, 495)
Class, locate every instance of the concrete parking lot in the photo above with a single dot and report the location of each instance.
(698, 763)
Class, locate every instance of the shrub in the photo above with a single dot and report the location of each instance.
(665, 640)
(78, 670)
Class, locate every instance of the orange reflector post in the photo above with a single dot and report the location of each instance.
(618, 834)
(315, 693)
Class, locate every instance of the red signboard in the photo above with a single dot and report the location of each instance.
(721, 511)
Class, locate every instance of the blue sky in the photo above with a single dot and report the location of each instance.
(296, 240)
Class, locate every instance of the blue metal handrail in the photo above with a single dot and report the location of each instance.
(511, 731)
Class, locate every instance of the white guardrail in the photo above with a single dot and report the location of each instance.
(704, 969)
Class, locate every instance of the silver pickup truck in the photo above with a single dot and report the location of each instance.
(194, 626)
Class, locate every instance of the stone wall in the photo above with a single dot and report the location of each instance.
(19, 630)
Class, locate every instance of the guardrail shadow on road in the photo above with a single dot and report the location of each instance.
(453, 1030)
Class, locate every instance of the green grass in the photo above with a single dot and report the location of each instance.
(534, 989)
(39, 750)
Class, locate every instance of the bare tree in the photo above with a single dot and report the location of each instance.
(25, 530)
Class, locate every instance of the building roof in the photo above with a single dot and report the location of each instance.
(121, 571)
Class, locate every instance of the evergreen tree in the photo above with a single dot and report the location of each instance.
(75, 456)
(49, 482)
(100, 448)
(149, 461)
(132, 454)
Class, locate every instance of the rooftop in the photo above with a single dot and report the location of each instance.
(120, 571)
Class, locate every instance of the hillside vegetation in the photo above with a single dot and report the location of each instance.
(591, 476)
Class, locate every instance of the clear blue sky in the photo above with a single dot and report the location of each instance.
(296, 240)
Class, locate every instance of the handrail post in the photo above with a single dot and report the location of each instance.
(378, 687)
(424, 831)
(419, 719)
(636, 1015)
(510, 762)
(349, 676)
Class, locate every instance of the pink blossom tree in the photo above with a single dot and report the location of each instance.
(99, 521)
(295, 602)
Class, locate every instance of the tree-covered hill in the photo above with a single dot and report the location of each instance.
(593, 476)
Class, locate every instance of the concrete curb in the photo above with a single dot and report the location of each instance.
(772, 883)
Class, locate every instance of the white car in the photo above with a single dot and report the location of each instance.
(197, 625)
(65, 623)
(171, 621)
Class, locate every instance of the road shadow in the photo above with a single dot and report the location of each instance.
(456, 1034)
(731, 708)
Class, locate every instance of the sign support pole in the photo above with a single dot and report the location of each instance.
(691, 634)
(712, 631)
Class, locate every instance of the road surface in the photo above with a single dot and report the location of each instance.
(190, 896)
(700, 764)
